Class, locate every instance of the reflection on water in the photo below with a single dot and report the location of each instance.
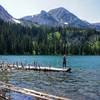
(82, 84)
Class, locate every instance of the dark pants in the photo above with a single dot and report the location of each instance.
(64, 64)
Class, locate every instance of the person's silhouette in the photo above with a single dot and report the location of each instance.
(64, 61)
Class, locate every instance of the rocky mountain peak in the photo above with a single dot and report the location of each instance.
(43, 12)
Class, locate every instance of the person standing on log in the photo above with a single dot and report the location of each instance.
(64, 61)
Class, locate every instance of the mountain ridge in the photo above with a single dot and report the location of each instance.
(5, 16)
(54, 17)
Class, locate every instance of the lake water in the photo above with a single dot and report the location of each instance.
(83, 83)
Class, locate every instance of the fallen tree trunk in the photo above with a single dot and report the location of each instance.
(40, 95)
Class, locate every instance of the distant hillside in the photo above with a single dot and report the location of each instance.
(17, 39)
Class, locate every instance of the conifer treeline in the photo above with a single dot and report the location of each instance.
(17, 39)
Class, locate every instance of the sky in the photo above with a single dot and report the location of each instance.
(88, 10)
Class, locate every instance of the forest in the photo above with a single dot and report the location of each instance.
(43, 40)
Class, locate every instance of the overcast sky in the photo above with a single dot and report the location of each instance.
(85, 9)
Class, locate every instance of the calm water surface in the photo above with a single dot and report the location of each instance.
(82, 84)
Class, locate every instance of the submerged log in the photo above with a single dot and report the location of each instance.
(40, 95)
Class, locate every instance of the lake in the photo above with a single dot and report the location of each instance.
(83, 83)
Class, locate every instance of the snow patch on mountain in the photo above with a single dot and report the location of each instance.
(65, 23)
(16, 21)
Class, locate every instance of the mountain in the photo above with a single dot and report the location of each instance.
(96, 25)
(64, 16)
(55, 17)
(43, 18)
(5, 16)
